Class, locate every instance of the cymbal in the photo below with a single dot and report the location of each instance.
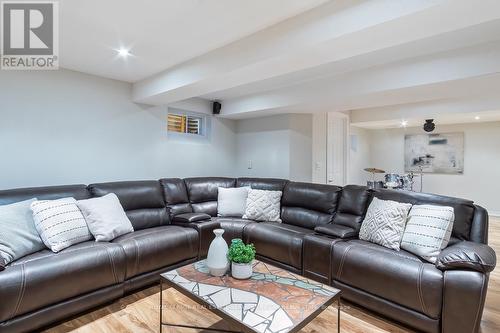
(374, 170)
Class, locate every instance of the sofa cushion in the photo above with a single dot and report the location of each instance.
(263, 205)
(154, 248)
(428, 230)
(277, 241)
(352, 206)
(233, 227)
(384, 223)
(203, 192)
(46, 278)
(142, 201)
(105, 217)
(268, 184)
(60, 223)
(464, 209)
(18, 234)
(176, 196)
(397, 276)
(231, 202)
(309, 205)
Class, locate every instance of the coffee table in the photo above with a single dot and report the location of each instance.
(273, 300)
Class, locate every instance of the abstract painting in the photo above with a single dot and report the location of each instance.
(435, 153)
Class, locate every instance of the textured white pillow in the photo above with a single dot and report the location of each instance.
(18, 235)
(428, 230)
(60, 223)
(105, 217)
(384, 223)
(231, 202)
(263, 205)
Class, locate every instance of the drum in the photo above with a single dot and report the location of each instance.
(375, 184)
(392, 180)
(379, 184)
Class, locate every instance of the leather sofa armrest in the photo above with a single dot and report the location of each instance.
(191, 217)
(467, 255)
(336, 230)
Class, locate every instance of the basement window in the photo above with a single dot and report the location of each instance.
(182, 123)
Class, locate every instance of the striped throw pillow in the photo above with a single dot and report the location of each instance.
(60, 223)
(428, 230)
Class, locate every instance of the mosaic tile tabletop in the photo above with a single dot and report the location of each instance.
(273, 300)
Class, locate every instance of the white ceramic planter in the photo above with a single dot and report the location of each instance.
(217, 261)
(241, 271)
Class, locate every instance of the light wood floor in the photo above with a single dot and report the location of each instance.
(140, 312)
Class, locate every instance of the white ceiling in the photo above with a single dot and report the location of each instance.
(159, 33)
(380, 60)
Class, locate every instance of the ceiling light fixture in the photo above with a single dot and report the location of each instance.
(123, 53)
(477, 117)
(404, 123)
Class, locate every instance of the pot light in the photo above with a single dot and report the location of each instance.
(477, 117)
(404, 123)
(123, 53)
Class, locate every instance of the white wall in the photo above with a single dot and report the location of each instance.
(275, 146)
(62, 127)
(359, 155)
(481, 178)
(319, 147)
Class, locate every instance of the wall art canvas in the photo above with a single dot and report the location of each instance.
(435, 153)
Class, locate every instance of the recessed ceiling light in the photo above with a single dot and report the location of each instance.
(404, 123)
(123, 53)
(477, 117)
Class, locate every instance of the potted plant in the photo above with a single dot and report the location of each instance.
(241, 256)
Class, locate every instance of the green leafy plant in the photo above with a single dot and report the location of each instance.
(240, 252)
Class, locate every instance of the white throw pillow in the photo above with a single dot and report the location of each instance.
(428, 230)
(263, 205)
(231, 202)
(105, 217)
(18, 235)
(384, 223)
(60, 223)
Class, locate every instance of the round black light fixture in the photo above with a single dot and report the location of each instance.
(429, 125)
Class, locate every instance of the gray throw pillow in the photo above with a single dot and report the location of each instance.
(384, 223)
(18, 235)
(105, 217)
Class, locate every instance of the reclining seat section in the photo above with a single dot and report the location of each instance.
(346, 224)
(45, 287)
(303, 207)
(401, 285)
(153, 237)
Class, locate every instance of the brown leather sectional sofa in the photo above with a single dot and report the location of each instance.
(317, 238)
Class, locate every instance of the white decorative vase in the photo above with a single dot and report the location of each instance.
(241, 271)
(217, 262)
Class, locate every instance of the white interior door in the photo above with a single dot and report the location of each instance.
(337, 157)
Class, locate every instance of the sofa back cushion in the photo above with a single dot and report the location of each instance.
(176, 196)
(309, 205)
(464, 209)
(203, 192)
(268, 184)
(142, 201)
(352, 206)
(44, 193)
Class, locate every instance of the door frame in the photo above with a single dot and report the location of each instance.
(343, 141)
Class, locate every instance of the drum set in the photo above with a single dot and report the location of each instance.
(392, 180)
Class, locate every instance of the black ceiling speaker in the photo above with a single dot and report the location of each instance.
(216, 106)
(429, 125)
